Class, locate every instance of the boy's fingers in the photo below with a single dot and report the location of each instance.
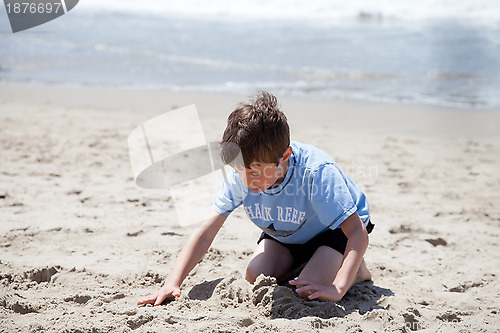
(316, 295)
(146, 301)
(163, 297)
(298, 282)
(306, 289)
(159, 299)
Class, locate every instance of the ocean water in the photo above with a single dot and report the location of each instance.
(441, 52)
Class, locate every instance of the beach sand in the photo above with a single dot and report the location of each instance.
(81, 243)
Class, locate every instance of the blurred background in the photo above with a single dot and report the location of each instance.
(429, 52)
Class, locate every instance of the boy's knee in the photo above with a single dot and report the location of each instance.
(250, 277)
(252, 272)
(254, 269)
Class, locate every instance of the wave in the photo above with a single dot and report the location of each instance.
(322, 10)
(299, 89)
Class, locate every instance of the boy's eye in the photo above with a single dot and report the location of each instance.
(254, 175)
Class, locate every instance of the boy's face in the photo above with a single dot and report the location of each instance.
(262, 176)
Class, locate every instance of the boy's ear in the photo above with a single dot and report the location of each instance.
(287, 154)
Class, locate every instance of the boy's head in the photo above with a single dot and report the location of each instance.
(260, 131)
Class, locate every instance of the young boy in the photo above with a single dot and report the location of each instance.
(312, 215)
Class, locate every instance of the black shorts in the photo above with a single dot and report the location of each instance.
(301, 253)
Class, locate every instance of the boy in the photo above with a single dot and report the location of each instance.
(312, 215)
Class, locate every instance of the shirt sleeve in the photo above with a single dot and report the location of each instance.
(230, 196)
(330, 196)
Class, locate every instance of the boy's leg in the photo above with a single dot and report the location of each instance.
(324, 265)
(271, 259)
(363, 274)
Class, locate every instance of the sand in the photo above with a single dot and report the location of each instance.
(81, 243)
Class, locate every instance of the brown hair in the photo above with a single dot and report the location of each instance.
(259, 129)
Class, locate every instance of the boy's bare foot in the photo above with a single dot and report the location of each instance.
(363, 274)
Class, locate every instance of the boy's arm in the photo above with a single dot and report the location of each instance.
(193, 250)
(357, 242)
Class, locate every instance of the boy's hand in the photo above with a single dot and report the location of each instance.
(310, 290)
(167, 291)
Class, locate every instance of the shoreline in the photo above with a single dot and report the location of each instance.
(413, 119)
(159, 89)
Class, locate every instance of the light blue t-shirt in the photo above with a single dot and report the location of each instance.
(314, 196)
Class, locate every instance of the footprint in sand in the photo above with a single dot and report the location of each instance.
(412, 321)
(138, 321)
(437, 241)
(40, 275)
(450, 316)
(463, 287)
(18, 304)
(80, 299)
